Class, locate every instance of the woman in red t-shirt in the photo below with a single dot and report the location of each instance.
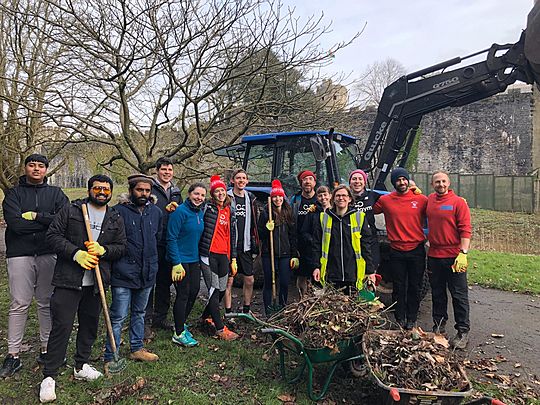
(217, 249)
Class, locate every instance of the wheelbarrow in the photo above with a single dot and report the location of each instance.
(349, 351)
(394, 395)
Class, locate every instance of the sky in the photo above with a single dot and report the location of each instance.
(417, 33)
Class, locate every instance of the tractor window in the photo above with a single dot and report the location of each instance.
(345, 159)
(295, 155)
(259, 163)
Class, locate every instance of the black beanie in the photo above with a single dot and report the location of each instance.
(397, 173)
(36, 157)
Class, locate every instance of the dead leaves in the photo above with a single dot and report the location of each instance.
(325, 318)
(119, 391)
(420, 362)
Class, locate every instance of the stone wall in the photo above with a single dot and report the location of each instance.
(499, 135)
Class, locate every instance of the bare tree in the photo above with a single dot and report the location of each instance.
(178, 77)
(375, 79)
(27, 73)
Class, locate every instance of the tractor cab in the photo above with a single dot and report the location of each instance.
(330, 155)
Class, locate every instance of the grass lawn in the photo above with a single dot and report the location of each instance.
(505, 271)
(217, 372)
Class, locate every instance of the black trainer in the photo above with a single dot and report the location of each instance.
(11, 366)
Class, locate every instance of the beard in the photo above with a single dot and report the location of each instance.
(139, 201)
(100, 203)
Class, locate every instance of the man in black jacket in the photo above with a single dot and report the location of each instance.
(75, 288)
(29, 208)
(168, 198)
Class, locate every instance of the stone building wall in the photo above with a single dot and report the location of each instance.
(499, 135)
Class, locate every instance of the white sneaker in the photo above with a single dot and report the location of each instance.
(87, 373)
(46, 390)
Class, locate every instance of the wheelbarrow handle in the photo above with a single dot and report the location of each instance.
(485, 401)
(285, 334)
(248, 317)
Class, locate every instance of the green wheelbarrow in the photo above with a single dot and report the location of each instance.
(286, 343)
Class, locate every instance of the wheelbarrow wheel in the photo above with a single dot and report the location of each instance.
(358, 368)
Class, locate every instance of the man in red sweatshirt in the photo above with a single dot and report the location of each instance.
(404, 212)
(449, 237)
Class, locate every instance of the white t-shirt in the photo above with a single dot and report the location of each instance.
(96, 220)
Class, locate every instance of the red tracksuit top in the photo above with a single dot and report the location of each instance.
(449, 220)
(405, 216)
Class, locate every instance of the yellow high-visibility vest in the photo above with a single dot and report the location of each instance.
(357, 220)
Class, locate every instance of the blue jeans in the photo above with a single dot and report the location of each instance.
(126, 300)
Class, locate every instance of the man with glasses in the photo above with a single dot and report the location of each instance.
(75, 286)
(29, 209)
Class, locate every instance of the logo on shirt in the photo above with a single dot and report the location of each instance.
(447, 207)
(304, 210)
(223, 219)
(240, 210)
(414, 204)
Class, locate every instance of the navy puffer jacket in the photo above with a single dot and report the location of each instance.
(138, 267)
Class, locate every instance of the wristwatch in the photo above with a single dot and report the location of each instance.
(464, 251)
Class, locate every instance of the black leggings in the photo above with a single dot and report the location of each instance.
(219, 265)
(186, 294)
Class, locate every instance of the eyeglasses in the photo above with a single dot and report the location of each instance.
(341, 196)
(102, 190)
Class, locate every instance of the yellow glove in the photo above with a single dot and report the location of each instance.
(416, 190)
(295, 263)
(460, 264)
(178, 273)
(270, 225)
(234, 267)
(29, 215)
(86, 260)
(170, 207)
(94, 248)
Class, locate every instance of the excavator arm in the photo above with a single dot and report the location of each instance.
(408, 99)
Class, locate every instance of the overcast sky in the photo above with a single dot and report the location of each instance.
(418, 33)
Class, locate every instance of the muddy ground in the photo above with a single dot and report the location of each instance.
(505, 332)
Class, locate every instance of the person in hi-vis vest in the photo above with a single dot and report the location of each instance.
(340, 249)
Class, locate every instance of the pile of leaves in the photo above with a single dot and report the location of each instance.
(326, 317)
(414, 360)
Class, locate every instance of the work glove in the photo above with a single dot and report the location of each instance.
(178, 273)
(295, 263)
(234, 267)
(460, 264)
(29, 215)
(94, 248)
(416, 190)
(86, 260)
(170, 207)
(270, 225)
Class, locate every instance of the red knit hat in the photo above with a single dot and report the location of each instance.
(305, 173)
(216, 182)
(277, 189)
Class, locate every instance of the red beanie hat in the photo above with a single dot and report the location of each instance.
(305, 173)
(361, 172)
(216, 182)
(277, 189)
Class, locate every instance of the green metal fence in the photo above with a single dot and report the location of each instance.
(500, 193)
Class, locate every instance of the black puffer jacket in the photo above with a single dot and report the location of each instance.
(162, 201)
(28, 238)
(210, 220)
(67, 234)
(284, 238)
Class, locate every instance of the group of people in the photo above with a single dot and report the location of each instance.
(153, 239)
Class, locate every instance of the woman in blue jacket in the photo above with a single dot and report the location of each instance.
(184, 231)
